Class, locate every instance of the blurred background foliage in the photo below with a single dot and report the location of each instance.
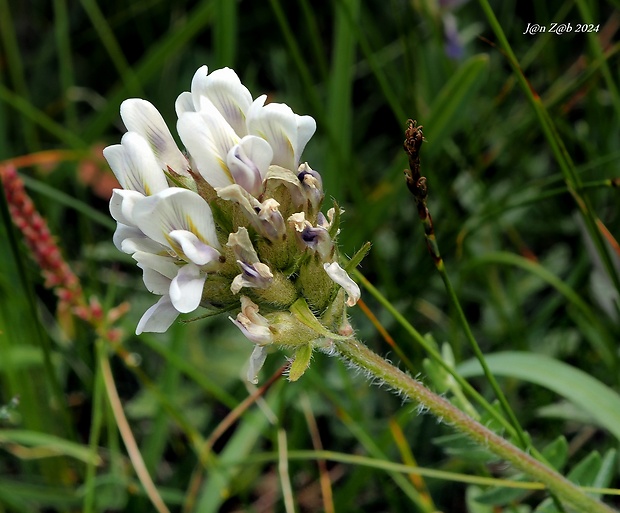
(523, 260)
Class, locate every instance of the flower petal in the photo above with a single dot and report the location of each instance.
(208, 139)
(130, 239)
(224, 89)
(257, 276)
(285, 131)
(164, 265)
(257, 360)
(306, 126)
(252, 324)
(193, 248)
(242, 246)
(158, 318)
(186, 288)
(184, 103)
(155, 282)
(135, 165)
(340, 276)
(122, 204)
(142, 117)
(199, 84)
(249, 161)
(175, 209)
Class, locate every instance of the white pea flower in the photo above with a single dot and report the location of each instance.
(235, 211)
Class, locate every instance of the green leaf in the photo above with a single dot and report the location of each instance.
(300, 363)
(358, 257)
(303, 314)
(556, 452)
(606, 472)
(585, 472)
(41, 445)
(592, 396)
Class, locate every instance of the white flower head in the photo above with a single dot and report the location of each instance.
(239, 179)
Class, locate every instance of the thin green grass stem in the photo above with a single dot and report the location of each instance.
(298, 58)
(95, 430)
(225, 33)
(599, 54)
(377, 368)
(65, 60)
(111, 44)
(15, 69)
(149, 66)
(339, 94)
(31, 113)
(373, 448)
(370, 55)
(441, 268)
(429, 473)
(560, 152)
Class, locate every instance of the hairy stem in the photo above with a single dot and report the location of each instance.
(361, 356)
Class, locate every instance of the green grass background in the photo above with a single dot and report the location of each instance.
(536, 278)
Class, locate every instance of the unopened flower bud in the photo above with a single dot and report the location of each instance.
(254, 273)
(252, 324)
(281, 329)
(315, 238)
(264, 217)
(312, 185)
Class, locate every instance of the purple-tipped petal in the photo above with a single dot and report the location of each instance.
(248, 163)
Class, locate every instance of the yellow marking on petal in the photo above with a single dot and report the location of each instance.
(290, 145)
(226, 170)
(175, 247)
(147, 189)
(192, 228)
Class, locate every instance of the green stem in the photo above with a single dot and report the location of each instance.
(434, 354)
(361, 356)
(95, 429)
(433, 248)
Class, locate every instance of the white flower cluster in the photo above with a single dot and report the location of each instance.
(235, 220)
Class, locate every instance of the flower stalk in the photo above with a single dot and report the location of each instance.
(417, 185)
(379, 369)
